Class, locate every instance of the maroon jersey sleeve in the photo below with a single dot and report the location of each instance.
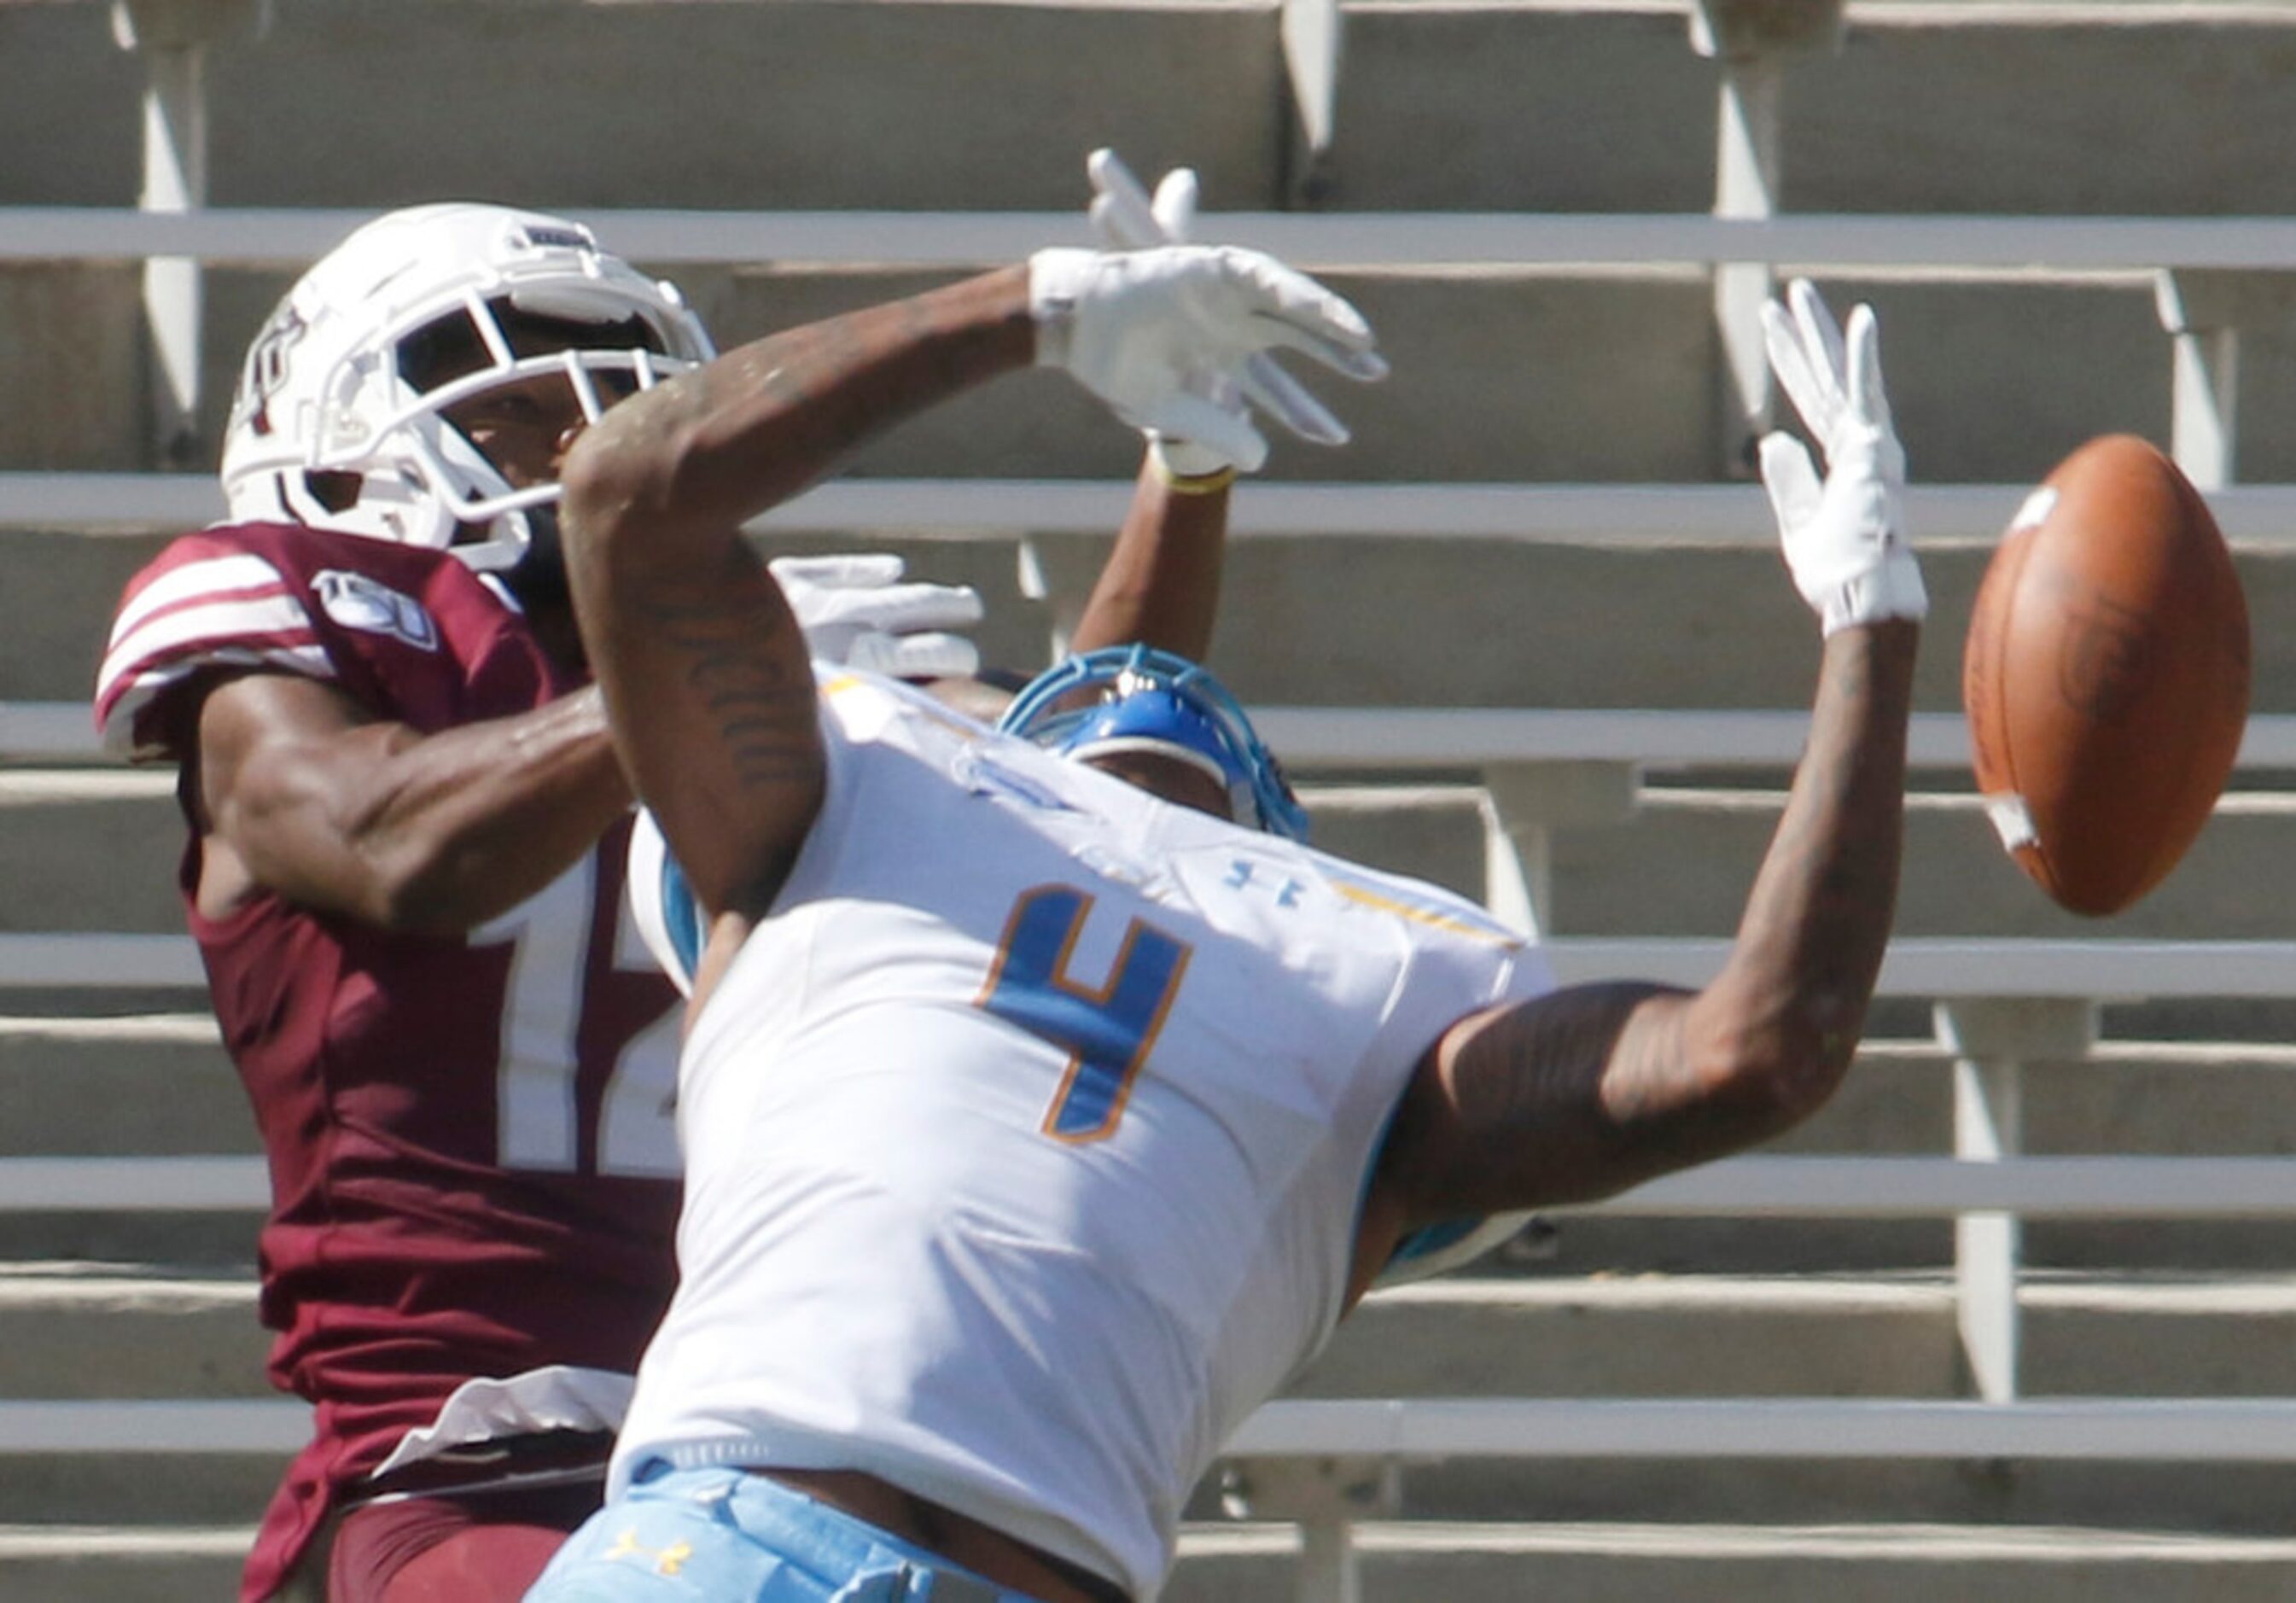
(470, 1137)
(209, 602)
(410, 633)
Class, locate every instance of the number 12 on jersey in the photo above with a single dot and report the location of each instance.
(1108, 1032)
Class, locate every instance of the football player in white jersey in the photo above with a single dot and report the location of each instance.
(1036, 1128)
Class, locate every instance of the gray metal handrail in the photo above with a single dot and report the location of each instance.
(2252, 517)
(287, 235)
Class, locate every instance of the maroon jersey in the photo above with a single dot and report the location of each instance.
(473, 1163)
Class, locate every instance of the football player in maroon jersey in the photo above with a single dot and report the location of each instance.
(407, 843)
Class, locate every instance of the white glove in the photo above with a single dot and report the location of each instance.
(1136, 327)
(855, 615)
(1126, 219)
(1845, 540)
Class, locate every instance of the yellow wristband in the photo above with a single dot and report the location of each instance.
(1193, 484)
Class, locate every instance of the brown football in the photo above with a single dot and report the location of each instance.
(2106, 675)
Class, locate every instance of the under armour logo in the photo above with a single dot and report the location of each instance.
(1240, 874)
(668, 1561)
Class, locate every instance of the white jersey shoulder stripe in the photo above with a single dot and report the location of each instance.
(199, 629)
(215, 576)
(129, 702)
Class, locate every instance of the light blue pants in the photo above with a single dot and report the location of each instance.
(682, 1535)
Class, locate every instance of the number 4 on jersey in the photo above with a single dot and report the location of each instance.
(1108, 1033)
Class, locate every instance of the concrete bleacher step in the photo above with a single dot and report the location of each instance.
(132, 1330)
(1468, 1563)
(98, 1330)
(1576, 1243)
(2161, 1098)
(1619, 1562)
(91, 850)
(1682, 866)
(152, 1489)
(121, 1564)
(1357, 622)
(1467, 1336)
(1499, 375)
(769, 127)
(1423, 620)
(2221, 1499)
(98, 851)
(1582, 373)
(1534, 375)
(2175, 1098)
(56, 609)
(216, 1241)
(109, 1330)
(74, 1086)
(769, 91)
(144, 1329)
(1926, 107)
(1683, 862)
(1474, 1334)
(1598, 1243)
(148, 1084)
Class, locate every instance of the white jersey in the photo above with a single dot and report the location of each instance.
(1025, 1140)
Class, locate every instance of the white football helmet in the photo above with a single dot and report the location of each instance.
(328, 428)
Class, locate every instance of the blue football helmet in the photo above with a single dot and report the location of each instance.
(1154, 701)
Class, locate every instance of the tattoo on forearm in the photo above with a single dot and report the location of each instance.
(829, 386)
(758, 694)
(668, 477)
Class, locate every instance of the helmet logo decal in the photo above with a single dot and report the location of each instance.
(356, 602)
(267, 365)
(542, 238)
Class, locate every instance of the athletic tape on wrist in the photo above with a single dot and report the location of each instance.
(1189, 484)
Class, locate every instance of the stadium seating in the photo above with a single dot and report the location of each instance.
(1526, 637)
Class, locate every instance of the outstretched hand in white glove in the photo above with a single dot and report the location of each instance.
(1125, 218)
(1140, 328)
(856, 614)
(1844, 536)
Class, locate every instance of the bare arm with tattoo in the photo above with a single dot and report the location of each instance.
(1594, 1088)
(703, 671)
(704, 674)
(1589, 1091)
